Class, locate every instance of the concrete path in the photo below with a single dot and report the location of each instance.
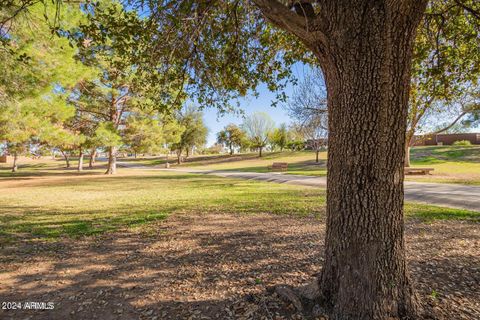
(441, 194)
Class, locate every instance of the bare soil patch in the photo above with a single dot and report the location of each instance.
(218, 266)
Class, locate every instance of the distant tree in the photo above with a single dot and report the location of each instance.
(143, 134)
(216, 148)
(104, 102)
(296, 137)
(245, 144)
(258, 127)
(172, 134)
(279, 137)
(308, 106)
(194, 134)
(151, 132)
(309, 98)
(316, 132)
(231, 137)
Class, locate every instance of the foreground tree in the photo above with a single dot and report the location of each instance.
(258, 127)
(365, 50)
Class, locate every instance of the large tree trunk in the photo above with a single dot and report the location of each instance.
(112, 161)
(316, 155)
(80, 160)
(93, 155)
(15, 166)
(367, 72)
(260, 151)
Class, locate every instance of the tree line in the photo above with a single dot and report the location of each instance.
(59, 94)
(258, 133)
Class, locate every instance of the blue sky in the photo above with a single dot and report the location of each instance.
(215, 122)
(250, 105)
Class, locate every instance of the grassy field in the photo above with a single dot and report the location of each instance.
(47, 202)
(452, 164)
(300, 162)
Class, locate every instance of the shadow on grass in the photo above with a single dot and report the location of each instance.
(43, 170)
(34, 225)
(192, 193)
(217, 268)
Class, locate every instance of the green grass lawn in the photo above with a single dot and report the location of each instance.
(49, 207)
(452, 164)
(300, 162)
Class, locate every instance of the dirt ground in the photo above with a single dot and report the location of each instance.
(218, 267)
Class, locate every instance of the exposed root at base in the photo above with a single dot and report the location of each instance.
(304, 298)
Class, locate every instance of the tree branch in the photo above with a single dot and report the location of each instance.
(451, 124)
(304, 27)
(472, 11)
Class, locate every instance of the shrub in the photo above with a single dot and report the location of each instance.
(462, 143)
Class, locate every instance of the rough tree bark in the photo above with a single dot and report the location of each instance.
(112, 161)
(15, 166)
(364, 49)
(80, 160)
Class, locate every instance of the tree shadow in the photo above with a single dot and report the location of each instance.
(218, 267)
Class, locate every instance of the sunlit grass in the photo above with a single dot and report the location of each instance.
(87, 206)
(49, 208)
(452, 164)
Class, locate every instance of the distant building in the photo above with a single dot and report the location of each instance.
(445, 139)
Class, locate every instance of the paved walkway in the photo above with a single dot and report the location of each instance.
(441, 194)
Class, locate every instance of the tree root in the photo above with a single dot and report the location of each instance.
(304, 299)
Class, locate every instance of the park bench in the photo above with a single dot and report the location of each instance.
(279, 166)
(418, 170)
